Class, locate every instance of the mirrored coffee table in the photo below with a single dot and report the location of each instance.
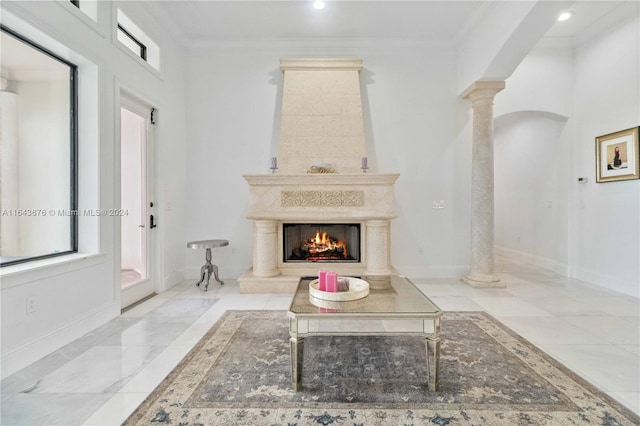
(394, 306)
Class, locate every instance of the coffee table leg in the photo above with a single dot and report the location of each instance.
(297, 351)
(433, 356)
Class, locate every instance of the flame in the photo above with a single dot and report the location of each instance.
(321, 243)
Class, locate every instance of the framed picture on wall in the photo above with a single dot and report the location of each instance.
(618, 156)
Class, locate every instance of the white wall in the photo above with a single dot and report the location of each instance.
(529, 202)
(410, 108)
(542, 82)
(78, 293)
(596, 85)
(605, 235)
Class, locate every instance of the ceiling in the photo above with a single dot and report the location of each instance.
(298, 20)
(450, 21)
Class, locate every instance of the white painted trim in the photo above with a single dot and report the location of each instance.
(137, 59)
(433, 271)
(40, 269)
(135, 292)
(42, 346)
(174, 278)
(130, 100)
(192, 273)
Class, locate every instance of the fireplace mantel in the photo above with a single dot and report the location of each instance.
(365, 198)
(321, 196)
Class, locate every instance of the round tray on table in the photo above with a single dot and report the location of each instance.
(358, 289)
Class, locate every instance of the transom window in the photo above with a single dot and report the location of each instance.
(137, 41)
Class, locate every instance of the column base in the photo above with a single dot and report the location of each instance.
(483, 281)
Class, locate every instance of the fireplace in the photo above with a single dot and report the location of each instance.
(304, 220)
(321, 242)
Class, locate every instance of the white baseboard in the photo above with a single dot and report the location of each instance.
(175, 277)
(42, 346)
(433, 271)
(194, 273)
(542, 262)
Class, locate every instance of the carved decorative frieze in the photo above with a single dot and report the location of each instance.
(331, 198)
(310, 198)
(290, 198)
(352, 198)
(321, 198)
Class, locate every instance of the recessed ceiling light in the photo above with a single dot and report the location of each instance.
(564, 16)
(319, 4)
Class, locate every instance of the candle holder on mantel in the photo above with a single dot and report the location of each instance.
(364, 167)
(274, 164)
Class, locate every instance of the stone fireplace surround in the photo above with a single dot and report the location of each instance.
(321, 123)
(365, 198)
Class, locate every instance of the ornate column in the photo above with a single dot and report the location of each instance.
(378, 262)
(265, 248)
(482, 274)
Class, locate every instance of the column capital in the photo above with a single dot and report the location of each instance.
(483, 90)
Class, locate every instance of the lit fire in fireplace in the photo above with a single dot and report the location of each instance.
(321, 246)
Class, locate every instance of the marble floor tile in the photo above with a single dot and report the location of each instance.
(210, 317)
(561, 305)
(631, 400)
(508, 307)
(151, 331)
(152, 374)
(182, 308)
(102, 369)
(439, 289)
(619, 306)
(50, 409)
(634, 349)
(245, 301)
(551, 330)
(27, 377)
(455, 303)
(608, 367)
(116, 409)
(279, 302)
(512, 280)
(608, 328)
(469, 291)
(193, 334)
(590, 329)
(143, 309)
(535, 291)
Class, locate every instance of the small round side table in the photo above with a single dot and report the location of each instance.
(208, 268)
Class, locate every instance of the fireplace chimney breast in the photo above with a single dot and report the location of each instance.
(321, 121)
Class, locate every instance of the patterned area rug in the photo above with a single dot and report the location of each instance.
(239, 374)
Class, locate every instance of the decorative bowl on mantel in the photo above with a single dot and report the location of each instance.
(358, 289)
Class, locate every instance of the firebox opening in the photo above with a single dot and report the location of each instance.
(321, 242)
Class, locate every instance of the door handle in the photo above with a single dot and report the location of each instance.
(140, 226)
(151, 222)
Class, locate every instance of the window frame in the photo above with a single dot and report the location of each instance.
(142, 46)
(73, 140)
